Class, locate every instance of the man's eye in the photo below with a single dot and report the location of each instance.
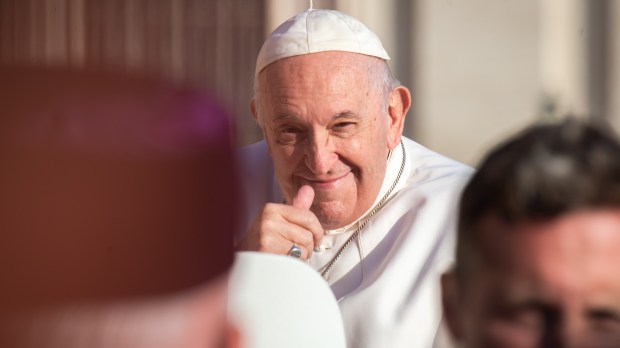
(605, 322)
(529, 318)
(344, 125)
(289, 130)
(288, 135)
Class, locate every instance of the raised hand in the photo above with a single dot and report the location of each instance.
(278, 227)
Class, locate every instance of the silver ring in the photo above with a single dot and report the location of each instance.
(295, 251)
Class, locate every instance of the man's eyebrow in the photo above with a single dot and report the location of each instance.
(527, 303)
(346, 115)
(341, 115)
(603, 313)
(282, 117)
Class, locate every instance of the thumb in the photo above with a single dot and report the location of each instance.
(304, 197)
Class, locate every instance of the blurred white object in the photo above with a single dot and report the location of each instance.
(277, 301)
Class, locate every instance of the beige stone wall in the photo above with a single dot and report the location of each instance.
(480, 70)
(476, 77)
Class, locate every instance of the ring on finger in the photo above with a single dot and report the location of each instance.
(295, 251)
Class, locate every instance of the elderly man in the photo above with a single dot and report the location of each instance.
(335, 184)
(538, 244)
(115, 230)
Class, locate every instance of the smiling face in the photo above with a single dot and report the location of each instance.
(542, 284)
(328, 125)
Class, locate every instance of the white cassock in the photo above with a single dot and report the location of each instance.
(387, 279)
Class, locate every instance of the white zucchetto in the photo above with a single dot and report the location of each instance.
(315, 31)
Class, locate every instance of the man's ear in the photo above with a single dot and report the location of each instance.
(253, 110)
(399, 104)
(449, 299)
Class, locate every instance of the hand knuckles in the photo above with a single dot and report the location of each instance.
(306, 239)
(267, 225)
(270, 209)
(265, 241)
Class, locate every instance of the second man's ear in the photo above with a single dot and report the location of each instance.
(449, 300)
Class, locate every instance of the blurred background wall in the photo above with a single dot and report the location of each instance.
(478, 69)
(203, 43)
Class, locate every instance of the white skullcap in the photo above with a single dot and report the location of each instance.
(318, 31)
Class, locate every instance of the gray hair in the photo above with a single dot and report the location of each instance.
(381, 80)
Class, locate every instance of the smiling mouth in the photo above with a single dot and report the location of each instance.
(325, 184)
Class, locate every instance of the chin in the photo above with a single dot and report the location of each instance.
(329, 217)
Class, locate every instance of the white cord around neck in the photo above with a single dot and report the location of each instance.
(363, 224)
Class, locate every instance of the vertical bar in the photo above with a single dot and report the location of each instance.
(598, 29)
(564, 56)
(7, 31)
(613, 67)
(77, 34)
(176, 39)
(55, 31)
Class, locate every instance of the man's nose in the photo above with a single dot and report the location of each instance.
(320, 154)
